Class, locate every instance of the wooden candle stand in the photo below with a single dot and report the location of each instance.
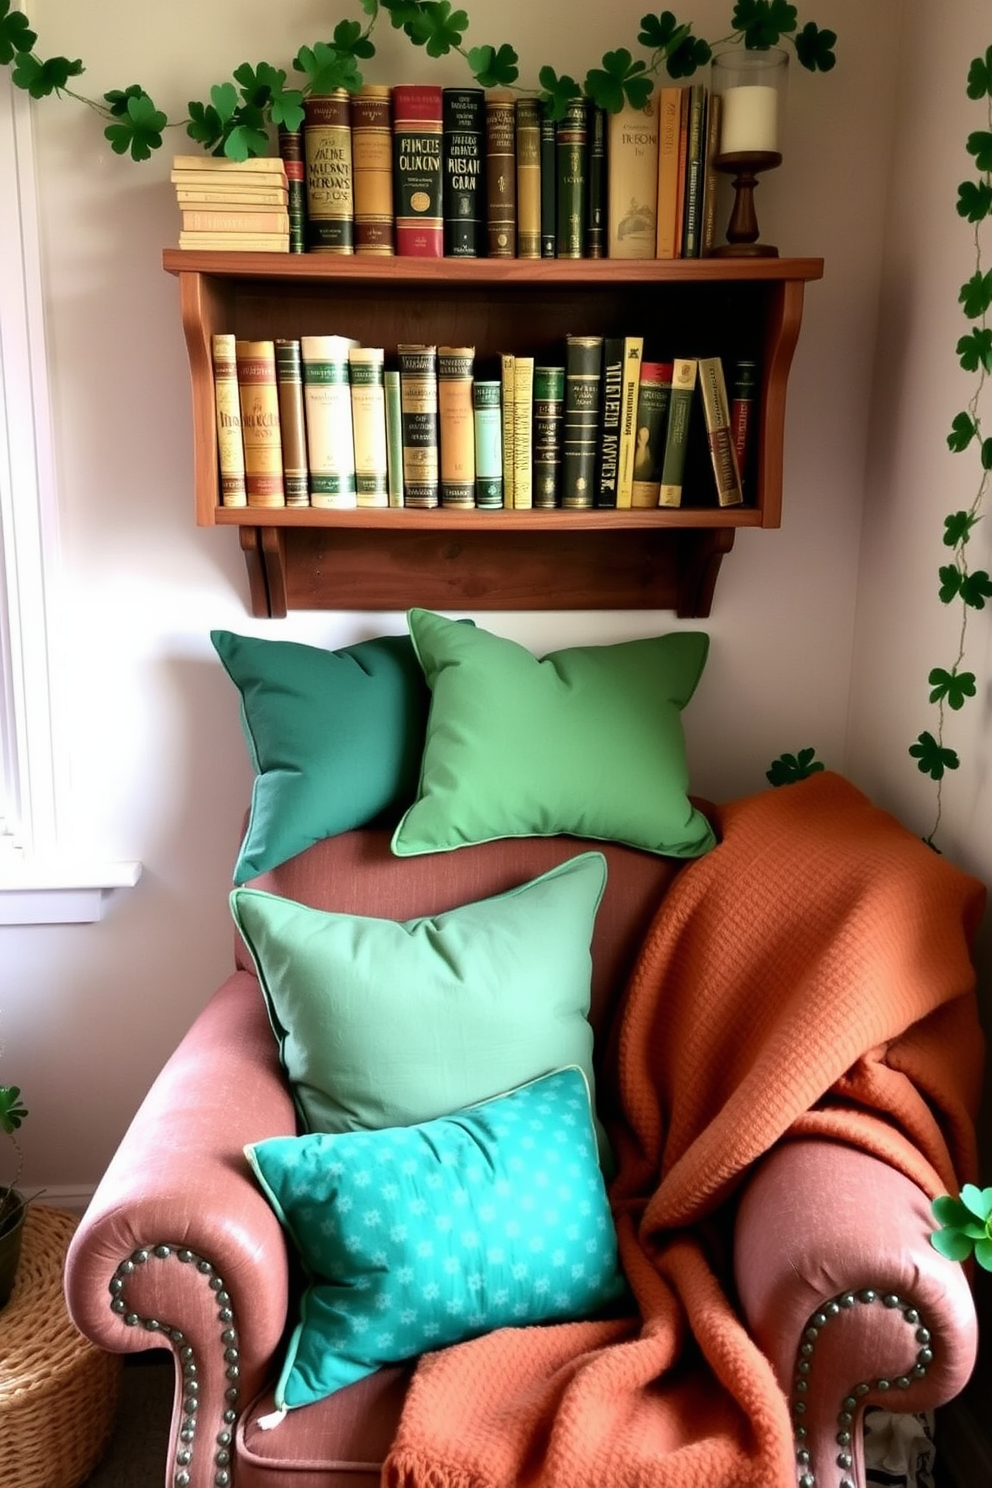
(742, 230)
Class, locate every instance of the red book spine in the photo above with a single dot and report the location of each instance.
(417, 173)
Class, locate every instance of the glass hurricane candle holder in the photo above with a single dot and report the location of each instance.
(750, 87)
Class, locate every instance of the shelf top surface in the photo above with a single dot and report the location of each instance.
(361, 268)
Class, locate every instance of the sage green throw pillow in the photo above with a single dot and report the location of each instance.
(386, 1023)
(586, 741)
(334, 737)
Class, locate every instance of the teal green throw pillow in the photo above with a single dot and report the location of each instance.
(421, 1236)
(334, 737)
(587, 741)
(386, 1022)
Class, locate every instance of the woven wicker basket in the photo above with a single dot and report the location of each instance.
(58, 1392)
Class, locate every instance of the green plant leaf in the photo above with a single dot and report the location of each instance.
(244, 141)
(117, 98)
(957, 528)
(557, 92)
(815, 48)
(763, 22)
(286, 108)
(983, 1254)
(204, 125)
(139, 128)
(662, 33)
(685, 59)
(224, 97)
(974, 200)
(494, 68)
(326, 68)
(951, 1244)
(977, 1201)
(976, 589)
(976, 295)
(437, 27)
(401, 12)
(15, 33)
(12, 1108)
(609, 86)
(980, 76)
(349, 37)
(950, 582)
(43, 78)
(949, 1211)
(788, 768)
(932, 758)
(979, 144)
(975, 350)
(963, 431)
(987, 454)
(951, 687)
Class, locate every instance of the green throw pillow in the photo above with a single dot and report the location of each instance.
(587, 741)
(385, 1023)
(335, 738)
(421, 1236)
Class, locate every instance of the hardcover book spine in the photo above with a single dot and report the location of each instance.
(633, 354)
(330, 441)
(292, 422)
(719, 436)
(549, 412)
(417, 128)
(236, 220)
(633, 181)
(327, 146)
(528, 143)
(507, 364)
(743, 403)
(372, 169)
(653, 397)
(523, 435)
(418, 399)
(677, 434)
(695, 179)
(549, 184)
(711, 176)
(230, 447)
(456, 421)
(256, 362)
(293, 158)
(583, 356)
(462, 153)
(669, 113)
(596, 212)
(611, 396)
(501, 175)
(571, 179)
(486, 398)
(368, 418)
(394, 436)
(684, 109)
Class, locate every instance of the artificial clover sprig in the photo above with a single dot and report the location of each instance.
(966, 1225)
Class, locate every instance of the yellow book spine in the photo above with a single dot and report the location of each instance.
(633, 352)
(507, 362)
(528, 142)
(260, 430)
(456, 425)
(230, 447)
(368, 416)
(523, 439)
(632, 215)
(669, 116)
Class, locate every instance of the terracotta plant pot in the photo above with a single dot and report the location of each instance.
(12, 1211)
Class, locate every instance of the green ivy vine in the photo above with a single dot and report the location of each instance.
(236, 120)
(960, 585)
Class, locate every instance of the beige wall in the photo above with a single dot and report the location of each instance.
(158, 767)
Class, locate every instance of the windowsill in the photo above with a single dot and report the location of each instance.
(60, 891)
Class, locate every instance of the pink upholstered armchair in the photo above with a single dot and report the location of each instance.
(832, 1270)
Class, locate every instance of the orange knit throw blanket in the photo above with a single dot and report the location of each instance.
(809, 975)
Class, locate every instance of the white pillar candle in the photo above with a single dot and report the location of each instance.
(750, 120)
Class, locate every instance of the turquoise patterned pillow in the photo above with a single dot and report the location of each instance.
(419, 1236)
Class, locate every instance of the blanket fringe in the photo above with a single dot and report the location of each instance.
(410, 1469)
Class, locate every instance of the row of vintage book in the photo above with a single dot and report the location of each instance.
(321, 421)
(426, 171)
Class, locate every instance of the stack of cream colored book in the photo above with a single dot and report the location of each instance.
(232, 205)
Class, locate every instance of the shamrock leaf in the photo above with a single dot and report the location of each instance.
(690, 54)
(950, 582)
(979, 144)
(370, 7)
(41, 79)
(815, 48)
(763, 22)
(789, 768)
(963, 431)
(976, 295)
(12, 1109)
(558, 91)
(974, 200)
(492, 68)
(976, 589)
(327, 69)
(608, 85)
(977, 1201)
(966, 1225)
(205, 125)
(349, 37)
(437, 27)
(117, 98)
(987, 454)
(245, 140)
(980, 76)
(138, 129)
(401, 12)
(15, 33)
(951, 687)
(286, 108)
(957, 528)
(931, 757)
(224, 98)
(975, 350)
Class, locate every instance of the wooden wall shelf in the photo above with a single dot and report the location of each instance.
(386, 560)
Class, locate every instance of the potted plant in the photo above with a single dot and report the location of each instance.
(13, 1204)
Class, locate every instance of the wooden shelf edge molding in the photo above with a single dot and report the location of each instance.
(352, 568)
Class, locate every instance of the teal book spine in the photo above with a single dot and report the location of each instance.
(487, 403)
(571, 176)
(394, 437)
(549, 415)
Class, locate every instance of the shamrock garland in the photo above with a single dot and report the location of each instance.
(235, 120)
(951, 687)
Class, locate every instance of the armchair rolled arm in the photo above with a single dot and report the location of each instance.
(844, 1293)
(179, 1248)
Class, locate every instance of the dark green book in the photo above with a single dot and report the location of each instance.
(571, 181)
(583, 375)
(462, 147)
(549, 184)
(695, 173)
(291, 150)
(596, 206)
(611, 397)
(549, 414)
